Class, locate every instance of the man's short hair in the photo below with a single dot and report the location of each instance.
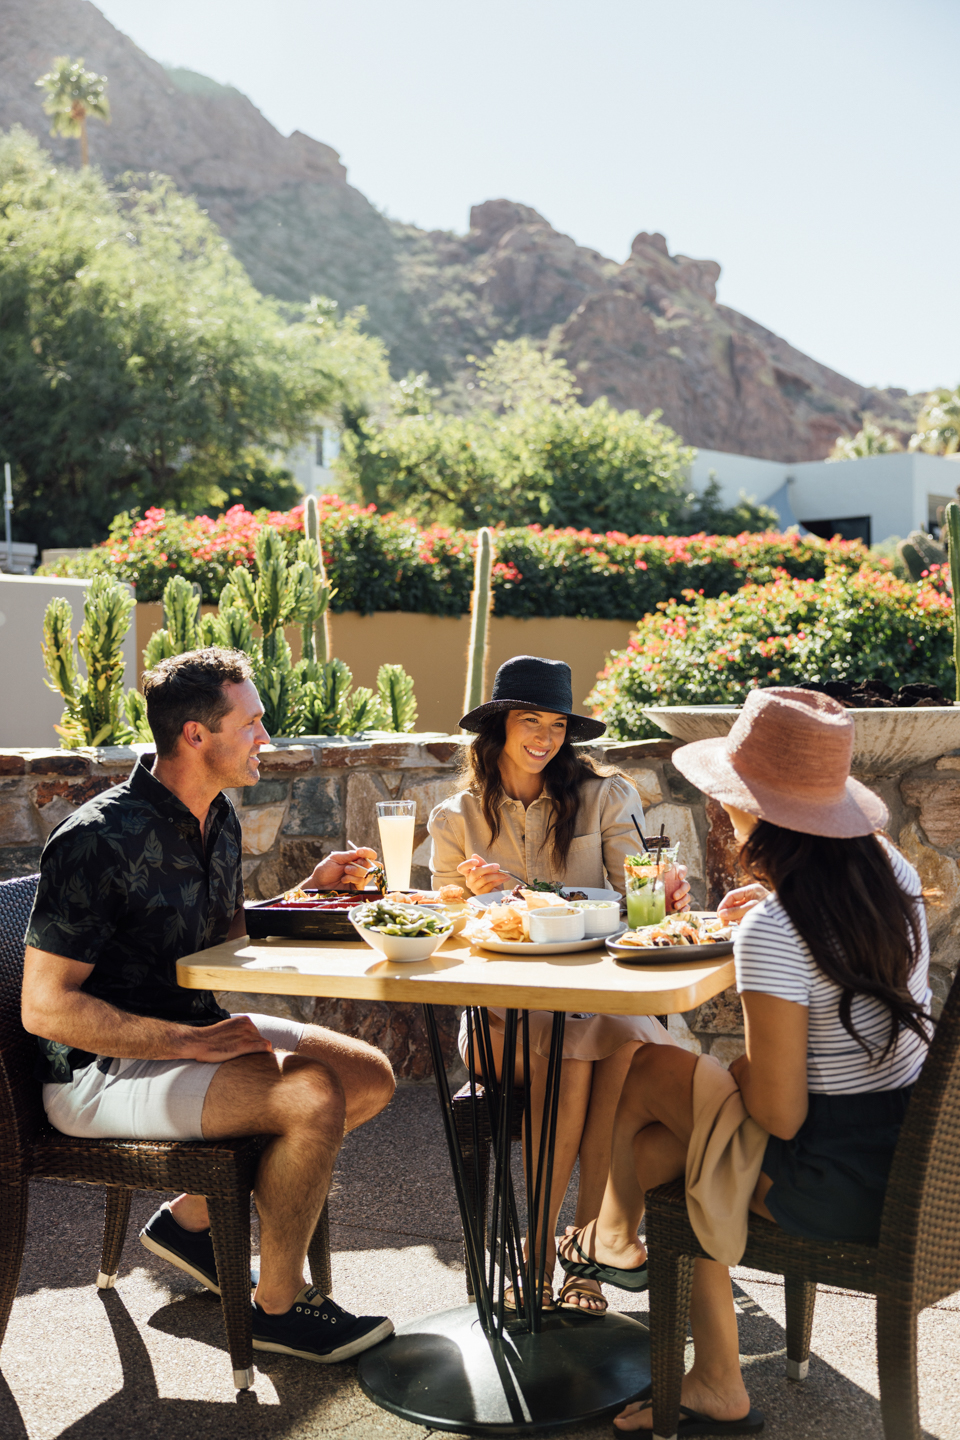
(190, 687)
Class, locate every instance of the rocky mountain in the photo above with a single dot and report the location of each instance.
(649, 333)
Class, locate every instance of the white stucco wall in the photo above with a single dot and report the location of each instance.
(28, 710)
(899, 492)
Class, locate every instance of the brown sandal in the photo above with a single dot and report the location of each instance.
(546, 1290)
(575, 1286)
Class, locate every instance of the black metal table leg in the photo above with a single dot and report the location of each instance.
(480, 1369)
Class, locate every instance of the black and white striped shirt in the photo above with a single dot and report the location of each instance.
(772, 958)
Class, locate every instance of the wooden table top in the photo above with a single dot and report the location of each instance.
(457, 974)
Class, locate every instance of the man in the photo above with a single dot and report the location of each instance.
(136, 878)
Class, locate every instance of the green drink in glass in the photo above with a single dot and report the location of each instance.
(646, 897)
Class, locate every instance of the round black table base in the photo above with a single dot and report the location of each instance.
(443, 1371)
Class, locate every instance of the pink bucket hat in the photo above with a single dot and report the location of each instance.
(787, 760)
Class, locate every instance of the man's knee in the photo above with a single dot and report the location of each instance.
(379, 1077)
(368, 1074)
(311, 1092)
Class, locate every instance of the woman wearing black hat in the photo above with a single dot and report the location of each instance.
(535, 809)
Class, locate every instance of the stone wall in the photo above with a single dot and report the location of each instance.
(318, 795)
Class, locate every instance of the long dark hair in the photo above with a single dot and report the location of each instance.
(843, 898)
(566, 775)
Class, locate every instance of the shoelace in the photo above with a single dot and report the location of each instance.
(333, 1311)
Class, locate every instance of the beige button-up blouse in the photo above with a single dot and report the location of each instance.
(605, 836)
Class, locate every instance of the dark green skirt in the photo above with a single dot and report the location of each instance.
(830, 1179)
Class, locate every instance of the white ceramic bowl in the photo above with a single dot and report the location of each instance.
(403, 948)
(556, 922)
(600, 917)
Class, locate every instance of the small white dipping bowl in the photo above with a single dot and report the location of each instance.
(600, 917)
(556, 922)
(402, 947)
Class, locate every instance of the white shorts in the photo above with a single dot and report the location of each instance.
(147, 1099)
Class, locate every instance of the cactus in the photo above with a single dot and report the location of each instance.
(93, 709)
(321, 639)
(951, 532)
(479, 621)
(315, 696)
(397, 700)
(281, 592)
(181, 631)
(919, 552)
(329, 706)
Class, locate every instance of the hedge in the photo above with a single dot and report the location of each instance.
(380, 562)
(699, 650)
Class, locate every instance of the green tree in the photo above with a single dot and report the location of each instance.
(73, 93)
(708, 515)
(938, 424)
(138, 364)
(525, 451)
(870, 439)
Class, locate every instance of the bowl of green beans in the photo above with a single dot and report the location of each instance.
(401, 932)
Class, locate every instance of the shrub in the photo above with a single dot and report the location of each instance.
(702, 650)
(380, 562)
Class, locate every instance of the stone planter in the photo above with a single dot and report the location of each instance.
(886, 742)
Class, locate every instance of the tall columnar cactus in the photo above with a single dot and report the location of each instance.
(93, 713)
(321, 638)
(270, 601)
(951, 530)
(479, 621)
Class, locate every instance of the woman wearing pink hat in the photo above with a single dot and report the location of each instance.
(832, 968)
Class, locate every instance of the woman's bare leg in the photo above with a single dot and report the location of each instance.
(651, 1135)
(575, 1089)
(656, 1101)
(595, 1145)
(609, 1075)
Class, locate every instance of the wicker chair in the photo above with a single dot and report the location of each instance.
(915, 1263)
(221, 1170)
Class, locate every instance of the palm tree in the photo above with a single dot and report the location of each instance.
(73, 93)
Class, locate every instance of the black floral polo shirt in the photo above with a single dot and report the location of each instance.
(128, 886)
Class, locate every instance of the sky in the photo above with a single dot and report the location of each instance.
(801, 145)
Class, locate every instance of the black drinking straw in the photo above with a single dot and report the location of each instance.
(660, 842)
(640, 833)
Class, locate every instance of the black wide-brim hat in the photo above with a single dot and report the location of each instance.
(528, 683)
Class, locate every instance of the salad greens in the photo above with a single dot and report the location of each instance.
(392, 919)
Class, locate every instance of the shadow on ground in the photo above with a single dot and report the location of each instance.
(149, 1359)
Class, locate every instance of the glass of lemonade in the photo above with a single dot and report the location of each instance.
(397, 820)
(650, 886)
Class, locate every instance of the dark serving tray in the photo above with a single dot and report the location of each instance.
(326, 918)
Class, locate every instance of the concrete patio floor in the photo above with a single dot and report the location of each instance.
(148, 1359)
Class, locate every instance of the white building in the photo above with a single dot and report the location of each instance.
(870, 499)
(311, 462)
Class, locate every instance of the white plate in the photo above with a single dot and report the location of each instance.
(498, 897)
(554, 947)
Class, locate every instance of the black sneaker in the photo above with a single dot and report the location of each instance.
(314, 1328)
(190, 1250)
